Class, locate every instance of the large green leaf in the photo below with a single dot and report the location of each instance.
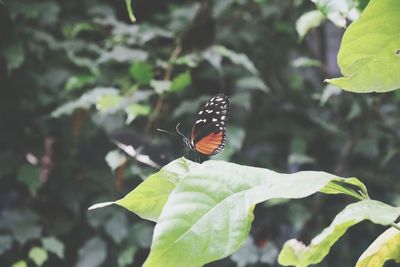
(369, 56)
(148, 199)
(204, 211)
(385, 247)
(295, 253)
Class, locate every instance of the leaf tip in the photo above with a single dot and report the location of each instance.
(101, 205)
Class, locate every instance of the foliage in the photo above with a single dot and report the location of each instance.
(370, 62)
(75, 73)
(213, 203)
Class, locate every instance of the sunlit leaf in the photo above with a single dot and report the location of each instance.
(135, 110)
(20, 264)
(148, 199)
(115, 159)
(160, 86)
(385, 247)
(369, 55)
(108, 103)
(182, 192)
(213, 204)
(85, 101)
(337, 11)
(121, 53)
(308, 21)
(295, 253)
(38, 255)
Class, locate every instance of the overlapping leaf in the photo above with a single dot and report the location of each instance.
(204, 211)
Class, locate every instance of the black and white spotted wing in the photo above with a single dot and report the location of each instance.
(208, 134)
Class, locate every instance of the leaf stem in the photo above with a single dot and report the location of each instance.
(394, 225)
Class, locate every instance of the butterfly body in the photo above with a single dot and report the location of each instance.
(208, 135)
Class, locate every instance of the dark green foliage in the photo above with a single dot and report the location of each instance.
(72, 72)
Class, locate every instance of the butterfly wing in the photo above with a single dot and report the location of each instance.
(209, 131)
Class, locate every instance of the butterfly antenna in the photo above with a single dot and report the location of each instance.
(177, 129)
(165, 131)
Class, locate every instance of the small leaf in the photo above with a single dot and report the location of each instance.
(237, 58)
(53, 245)
(251, 83)
(20, 264)
(385, 247)
(108, 103)
(135, 110)
(126, 257)
(117, 227)
(180, 82)
(160, 86)
(5, 243)
(38, 255)
(338, 10)
(142, 72)
(93, 253)
(295, 253)
(368, 56)
(77, 82)
(308, 21)
(130, 11)
(115, 159)
(30, 176)
(14, 55)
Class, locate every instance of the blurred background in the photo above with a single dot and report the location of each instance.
(77, 77)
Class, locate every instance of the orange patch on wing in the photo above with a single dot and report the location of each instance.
(208, 144)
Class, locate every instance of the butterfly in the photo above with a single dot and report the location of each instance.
(208, 135)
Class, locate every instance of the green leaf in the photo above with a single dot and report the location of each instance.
(369, 55)
(126, 257)
(160, 86)
(204, 211)
(108, 103)
(5, 243)
(20, 264)
(337, 11)
(142, 72)
(308, 21)
(53, 245)
(38, 255)
(117, 227)
(385, 247)
(85, 101)
(93, 253)
(148, 199)
(295, 253)
(180, 82)
(77, 82)
(251, 83)
(237, 58)
(130, 11)
(30, 176)
(135, 110)
(14, 55)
